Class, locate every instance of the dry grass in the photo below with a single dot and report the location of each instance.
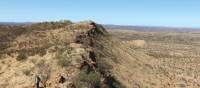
(135, 60)
(172, 59)
(28, 50)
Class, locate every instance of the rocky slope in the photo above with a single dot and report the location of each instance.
(84, 55)
(59, 55)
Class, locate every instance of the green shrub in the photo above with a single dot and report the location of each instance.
(63, 56)
(63, 62)
(90, 80)
(26, 71)
(66, 21)
(40, 63)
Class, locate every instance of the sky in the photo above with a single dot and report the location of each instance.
(169, 13)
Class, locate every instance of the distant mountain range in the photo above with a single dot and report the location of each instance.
(127, 27)
(14, 23)
(150, 28)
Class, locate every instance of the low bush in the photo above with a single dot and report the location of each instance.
(21, 56)
(26, 71)
(89, 80)
(63, 62)
(63, 56)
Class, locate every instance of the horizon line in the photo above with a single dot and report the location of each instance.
(125, 25)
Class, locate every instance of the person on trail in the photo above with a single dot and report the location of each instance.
(37, 81)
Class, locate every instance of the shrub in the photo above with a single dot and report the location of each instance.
(66, 21)
(21, 56)
(63, 56)
(90, 80)
(26, 71)
(63, 62)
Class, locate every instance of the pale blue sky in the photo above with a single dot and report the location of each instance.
(175, 13)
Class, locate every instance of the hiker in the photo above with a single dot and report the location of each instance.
(37, 81)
